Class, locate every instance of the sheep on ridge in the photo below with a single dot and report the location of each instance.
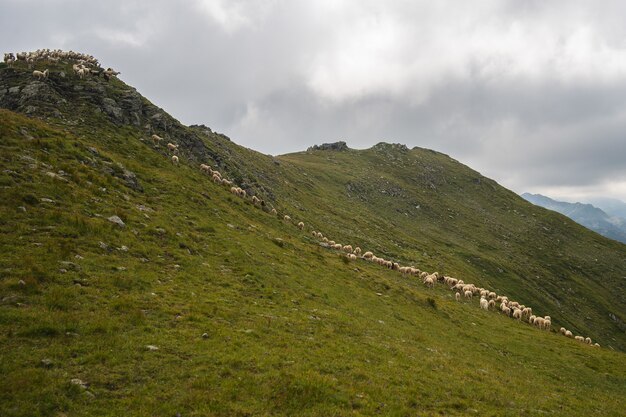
(40, 75)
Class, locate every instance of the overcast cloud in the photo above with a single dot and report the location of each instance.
(529, 93)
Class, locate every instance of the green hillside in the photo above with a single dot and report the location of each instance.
(248, 315)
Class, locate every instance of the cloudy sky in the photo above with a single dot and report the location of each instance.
(531, 93)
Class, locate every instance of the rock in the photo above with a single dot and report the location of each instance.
(55, 176)
(117, 221)
(46, 200)
(205, 335)
(79, 382)
(336, 146)
(93, 150)
(63, 270)
(22, 208)
(14, 90)
(70, 265)
(21, 283)
(152, 348)
(78, 257)
(123, 248)
(47, 363)
(103, 245)
(110, 107)
(121, 268)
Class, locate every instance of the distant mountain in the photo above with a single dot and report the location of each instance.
(587, 215)
(611, 206)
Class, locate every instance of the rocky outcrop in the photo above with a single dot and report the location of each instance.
(336, 146)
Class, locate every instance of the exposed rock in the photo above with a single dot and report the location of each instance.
(47, 363)
(152, 348)
(117, 221)
(21, 283)
(205, 335)
(110, 107)
(46, 200)
(79, 382)
(103, 245)
(70, 265)
(336, 146)
(56, 176)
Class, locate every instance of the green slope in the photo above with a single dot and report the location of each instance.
(291, 328)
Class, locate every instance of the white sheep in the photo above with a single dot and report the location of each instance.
(352, 256)
(457, 296)
(40, 75)
(506, 311)
(172, 147)
(368, 255)
(540, 322)
(428, 281)
(568, 333)
(156, 139)
(579, 338)
(175, 159)
(517, 314)
(216, 178)
(203, 167)
(484, 304)
(300, 225)
(468, 294)
(491, 304)
(286, 218)
(273, 212)
(357, 251)
(588, 340)
(347, 248)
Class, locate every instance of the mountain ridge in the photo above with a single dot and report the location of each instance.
(585, 214)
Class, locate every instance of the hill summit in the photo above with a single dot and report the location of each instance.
(133, 282)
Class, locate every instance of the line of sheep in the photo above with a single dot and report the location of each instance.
(85, 65)
(217, 178)
(488, 299)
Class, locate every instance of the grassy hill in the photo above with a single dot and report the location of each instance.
(251, 316)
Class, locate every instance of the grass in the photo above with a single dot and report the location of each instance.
(292, 328)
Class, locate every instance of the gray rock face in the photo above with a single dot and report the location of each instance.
(336, 146)
(116, 220)
(110, 107)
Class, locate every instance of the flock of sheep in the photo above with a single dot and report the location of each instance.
(488, 299)
(86, 65)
